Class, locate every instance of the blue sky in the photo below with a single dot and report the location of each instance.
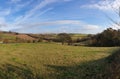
(56, 16)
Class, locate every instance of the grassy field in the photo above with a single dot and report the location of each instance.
(76, 36)
(51, 61)
(7, 36)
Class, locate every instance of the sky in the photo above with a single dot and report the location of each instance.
(57, 16)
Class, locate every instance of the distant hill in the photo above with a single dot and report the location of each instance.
(14, 37)
(25, 37)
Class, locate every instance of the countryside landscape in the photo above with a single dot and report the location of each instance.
(60, 39)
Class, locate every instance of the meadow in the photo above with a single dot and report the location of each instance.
(51, 61)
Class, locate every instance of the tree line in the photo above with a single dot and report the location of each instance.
(109, 37)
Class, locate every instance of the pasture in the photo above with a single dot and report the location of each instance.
(51, 61)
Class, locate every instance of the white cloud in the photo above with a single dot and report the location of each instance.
(51, 23)
(61, 26)
(114, 26)
(41, 5)
(2, 22)
(5, 12)
(110, 8)
(32, 12)
(21, 24)
(28, 15)
(104, 5)
(19, 6)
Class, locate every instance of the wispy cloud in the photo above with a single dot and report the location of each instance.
(32, 12)
(41, 5)
(104, 5)
(2, 22)
(26, 16)
(51, 23)
(5, 12)
(61, 25)
(19, 6)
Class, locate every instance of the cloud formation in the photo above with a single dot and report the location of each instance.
(19, 16)
(5, 12)
(61, 26)
(31, 13)
(104, 5)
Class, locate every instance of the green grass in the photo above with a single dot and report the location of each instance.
(76, 36)
(7, 36)
(51, 61)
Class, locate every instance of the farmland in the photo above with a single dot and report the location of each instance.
(51, 61)
(59, 39)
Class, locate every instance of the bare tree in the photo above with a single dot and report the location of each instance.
(117, 12)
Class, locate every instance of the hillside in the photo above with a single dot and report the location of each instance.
(12, 37)
(25, 37)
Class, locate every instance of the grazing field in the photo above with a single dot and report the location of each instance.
(51, 61)
(76, 36)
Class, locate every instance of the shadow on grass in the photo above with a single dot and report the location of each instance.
(106, 68)
(9, 71)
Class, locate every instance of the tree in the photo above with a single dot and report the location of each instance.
(109, 37)
(64, 38)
